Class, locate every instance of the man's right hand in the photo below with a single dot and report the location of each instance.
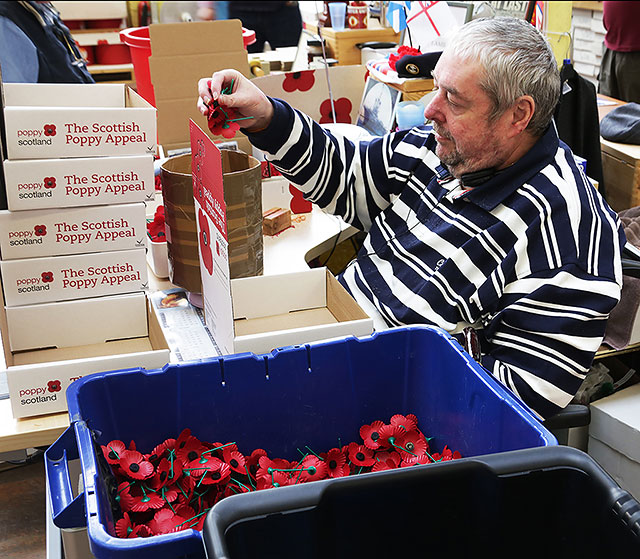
(247, 99)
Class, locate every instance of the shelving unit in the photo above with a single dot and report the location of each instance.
(109, 13)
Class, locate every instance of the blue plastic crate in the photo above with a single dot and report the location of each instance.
(313, 395)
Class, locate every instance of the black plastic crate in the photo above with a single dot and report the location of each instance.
(540, 502)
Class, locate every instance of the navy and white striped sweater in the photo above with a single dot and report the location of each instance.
(532, 255)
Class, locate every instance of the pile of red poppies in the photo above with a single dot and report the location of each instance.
(176, 484)
(156, 227)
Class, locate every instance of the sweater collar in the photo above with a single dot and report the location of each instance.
(505, 182)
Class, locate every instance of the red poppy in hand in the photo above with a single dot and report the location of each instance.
(342, 107)
(40, 230)
(49, 182)
(205, 242)
(49, 129)
(219, 121)
(302, 81)
(47, 277)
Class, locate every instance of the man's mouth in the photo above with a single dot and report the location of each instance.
(441, 135)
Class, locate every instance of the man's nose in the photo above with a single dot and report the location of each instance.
(433, 110)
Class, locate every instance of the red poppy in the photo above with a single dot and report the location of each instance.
(49, 182)
(336, 462)
(134, 465)
(235, 460)
(166, 473)
(49, 129)
(371, 434)
(403, 50)
(54, 386)
(274, 479)
(124, 526)
(141, 531)
(389, 434)
(446, 455)
(212, 471)
(40, 230)
(164, 521)
(407, 422)
(360, 455)
(184, 436)
(220, 122)
(384, 464)
(192, 450)
(342, 107)
(205, 242)
(144, 500)
(252, 461)
(391, 457)
(266, 465)
(124, 497)
(302, 81)
(411, 444)
(157, 182)
(313, 469)
(47, 277)
(112, 451)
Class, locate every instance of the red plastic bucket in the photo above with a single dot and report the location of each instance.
(137, 39)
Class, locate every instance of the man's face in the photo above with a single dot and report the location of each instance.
(460, 110)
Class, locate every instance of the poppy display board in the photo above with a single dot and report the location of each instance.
(213, 244)
(308, 91)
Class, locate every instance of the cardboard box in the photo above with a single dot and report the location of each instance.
(308, 91)
(621, 173)
(54, 232)
(38, 379)
(182, 54)
(341, 45)
(62, 278)
(76, 120)
(614, 437)
(63, 183)
(77, 322)
(260, 313)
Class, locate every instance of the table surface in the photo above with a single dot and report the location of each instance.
(310, 235)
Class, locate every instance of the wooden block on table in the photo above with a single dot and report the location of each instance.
(275, 220)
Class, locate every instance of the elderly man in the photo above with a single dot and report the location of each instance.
(484, 221)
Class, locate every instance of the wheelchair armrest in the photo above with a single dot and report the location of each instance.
(574, 415)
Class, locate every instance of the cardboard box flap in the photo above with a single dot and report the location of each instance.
(63, 95)
(294, 291)
(615, 421)
(172, 39)
(176, 77)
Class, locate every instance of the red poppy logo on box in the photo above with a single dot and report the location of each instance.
(205, 242)
(49, 129)
(302, 81)
(47, 277)
(40, 230)
(54, 386)
(342, 110)
(49, 182)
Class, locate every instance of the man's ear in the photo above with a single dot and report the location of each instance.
(522, 112)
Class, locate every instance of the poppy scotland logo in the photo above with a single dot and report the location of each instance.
(342, 107)
(40, 230)
(49, 129)
(47, 277)
(49, 182)
(54, 386)
(205, 242)
(302, 81)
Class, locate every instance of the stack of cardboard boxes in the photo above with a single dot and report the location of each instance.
(78, 170)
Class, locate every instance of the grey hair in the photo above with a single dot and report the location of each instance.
(517, 60)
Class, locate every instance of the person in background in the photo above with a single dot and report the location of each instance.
(279, 23)
(36, 47)
(484, 222)
(620, 67)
